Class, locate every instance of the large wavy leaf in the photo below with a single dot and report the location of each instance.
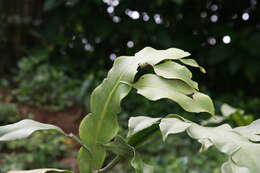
(101, 125)
(236, 143)
(24, 129)
(154, 88)
(151, 56)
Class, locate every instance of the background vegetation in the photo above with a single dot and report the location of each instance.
(53, 53)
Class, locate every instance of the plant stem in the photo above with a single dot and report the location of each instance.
(110, 165)
(75, 138)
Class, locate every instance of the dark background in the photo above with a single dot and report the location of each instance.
(54, 52)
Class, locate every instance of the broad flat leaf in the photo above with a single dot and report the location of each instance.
(193, 63)
(101, 125)
(84, 160)
(152, 56)
(24, 129)
(243, 154)
(45, 170)
(172, 70)
(154, 88)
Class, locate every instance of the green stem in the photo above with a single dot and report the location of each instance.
(110, 165)
(75, 138)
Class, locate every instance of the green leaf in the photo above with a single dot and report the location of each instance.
(45, 170)
(120, 147)
(193, 63)
(243, 154)
(101, 125)
(172, 70)
(24, 129)
(152, 56)
(84, 160)
(154, 88)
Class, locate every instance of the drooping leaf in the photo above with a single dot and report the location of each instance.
(24, 129)
(152, 56)
(243, 154)
(141, 129)
(140, 123)
(172, 126)
(154, 88)
(193, 63)
(172, 70)
(45, 170)
(252, 131)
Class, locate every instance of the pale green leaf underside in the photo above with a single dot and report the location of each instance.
(243, 154)
(139, 123)
(154, 88)
(24, 129)
(192, 63)
(44, 170)
(172, 70)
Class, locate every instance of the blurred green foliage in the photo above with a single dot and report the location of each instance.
(41, 150)
(45, 85)
(8, 113)
(53, 53)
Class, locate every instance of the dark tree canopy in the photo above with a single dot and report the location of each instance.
(83, 36)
